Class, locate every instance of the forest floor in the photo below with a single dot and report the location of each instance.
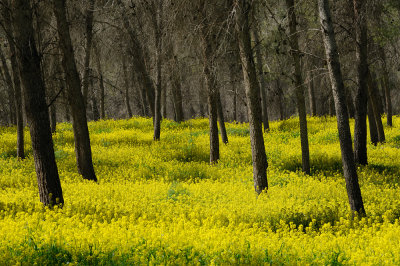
(162, 203)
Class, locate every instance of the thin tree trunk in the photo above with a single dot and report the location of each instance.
(95, 109)
(338, 90)
(81, 132)
(280, 100)
(139, 61)
(360, 128)
(101, 81)
(263, 85)
(301, 104)
(373, 131)
(35, 104)
(126, 81)
(386, 89)
(373, 96)
(252, 89)
(177, 93)
(17, 84)
(212, 90)
(53, 111)
(158, 90)
(311, 96)
(88, 48)
(221, 119)
(10, 88)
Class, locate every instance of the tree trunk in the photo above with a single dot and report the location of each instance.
(373, 96)
(95, 109)
(35, 104)
(139, 61)
(101, 82)
(301, 104)
(252, 89)
(360, 128)
(335, 73)
(53, 111)
(88, 49)
(311, 96)
(373, 131)
(280, 100)
(221, 119)
(177, 92)
(126, 81)
(263, 85)
(81, 132)
(157, 101)
(16, 82)
(212, 93)
(386, 88)
(10, 88)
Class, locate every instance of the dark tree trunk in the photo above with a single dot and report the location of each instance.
(311, 96)
(158, 90)
(280, 100)
(338, 90)
(373, 97)
(350, 104)
(301, 104)
(81, 132)
(221, 119)
(126, 81)
(10, 88)
(360, 128)
(53, 111)
(177, 92)
(373, 132)
(95, 109)
(101, 83)
(139, 61)
(35, 104)
(212, 93)
(263, 85)
(88, 48)
(252, 89)
(386, 88)
(16, 82)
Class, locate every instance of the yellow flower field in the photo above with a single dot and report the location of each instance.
(162, 203)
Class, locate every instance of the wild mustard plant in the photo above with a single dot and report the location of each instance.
(154, 204)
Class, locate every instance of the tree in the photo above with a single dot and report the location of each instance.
(16, 80)
(75, 98)
(299, 83)
(35, 105)
(360, 127)
(252, 88)
(338, 91)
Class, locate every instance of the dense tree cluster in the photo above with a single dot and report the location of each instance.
(236, 60)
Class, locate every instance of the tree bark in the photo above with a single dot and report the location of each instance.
(338, 90)
(101, 82)
(88, 49)
(95, 109)
(16, 82)
(311, 96)
(373, 97)
(139, 61)
(263, 85)
(360, 128)
(301, 104)
(126, 84)
(35, 104)
(10, 88)
(373, 131)
(221, 119)
(78, 108)
(157, 101)
(280, 100)
(252, 89)
(177, 91)
(212, 90)
(386, 87)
